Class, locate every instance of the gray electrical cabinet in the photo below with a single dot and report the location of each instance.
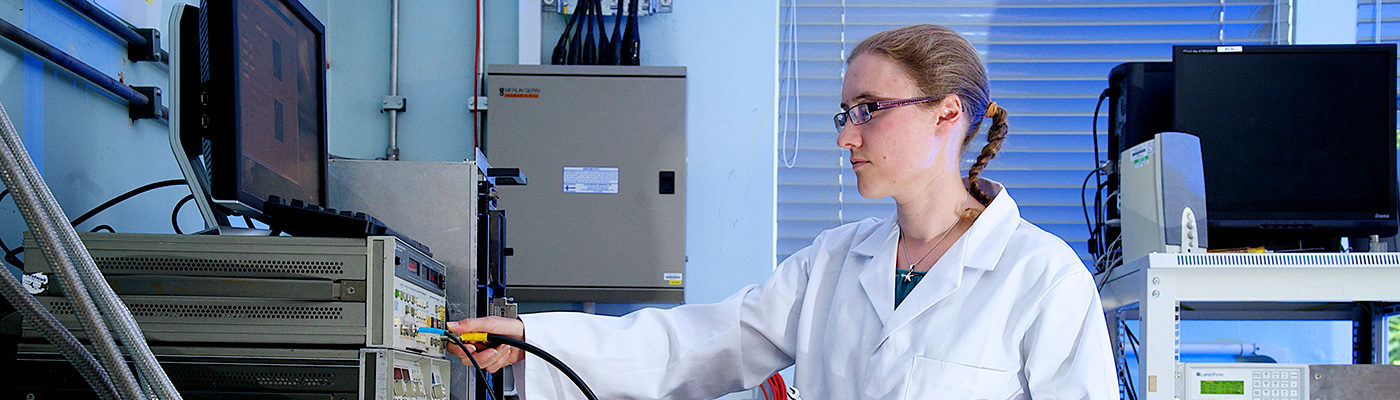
(603, 217)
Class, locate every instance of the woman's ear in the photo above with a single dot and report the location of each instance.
(950, 108)
(949, 111)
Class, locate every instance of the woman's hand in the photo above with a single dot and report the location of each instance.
(491, 357)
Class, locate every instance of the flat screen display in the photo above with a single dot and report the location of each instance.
(263, 102)
(279, 103)
(1301, 135)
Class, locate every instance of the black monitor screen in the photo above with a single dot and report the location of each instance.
(266, 90)
(1293, 137)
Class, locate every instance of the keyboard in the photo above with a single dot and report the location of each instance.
(297, 218)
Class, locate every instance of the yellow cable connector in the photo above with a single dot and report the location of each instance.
(474, 337)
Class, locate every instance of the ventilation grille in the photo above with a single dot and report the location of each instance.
(299, 381)
(160, 264)
(1254, 260)
(237, 312)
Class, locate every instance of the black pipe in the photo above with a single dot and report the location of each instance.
(105, 20)
(56, 56)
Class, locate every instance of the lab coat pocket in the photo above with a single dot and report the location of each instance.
(936, 379)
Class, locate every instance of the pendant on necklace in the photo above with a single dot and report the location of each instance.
(909, 276)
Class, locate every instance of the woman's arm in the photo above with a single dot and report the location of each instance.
(691, 351)
(1066, 349)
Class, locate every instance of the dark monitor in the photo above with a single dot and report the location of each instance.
(1139, 104)
(1139, 107)
(1298, 142)
(261, 106)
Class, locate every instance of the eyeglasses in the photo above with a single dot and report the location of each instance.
(863, 112)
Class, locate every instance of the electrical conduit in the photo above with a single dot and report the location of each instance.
(54, 228)
(22, 184)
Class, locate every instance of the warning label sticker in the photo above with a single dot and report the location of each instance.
(590, 180)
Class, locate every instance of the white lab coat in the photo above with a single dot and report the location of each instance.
(1009, 312)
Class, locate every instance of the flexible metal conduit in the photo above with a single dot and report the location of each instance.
(58, 57)
(61, 244)
(67, 345)
(118, 316)
(23, 185)
(122, 323)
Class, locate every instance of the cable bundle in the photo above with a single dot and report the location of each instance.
(576, 46)
(1107, 254)
(95, 304)
(774, 388)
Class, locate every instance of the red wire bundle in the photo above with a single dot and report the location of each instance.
(779, 388)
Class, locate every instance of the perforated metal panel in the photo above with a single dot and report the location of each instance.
(273, 379)
(1312, 259)
(215, 256)
(261, 290)
(264, 267)
(254, 321)
(219, 311)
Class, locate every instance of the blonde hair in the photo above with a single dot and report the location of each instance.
(942, 62)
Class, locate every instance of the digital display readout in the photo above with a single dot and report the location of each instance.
(1222, 387)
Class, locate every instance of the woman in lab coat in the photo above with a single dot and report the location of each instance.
(953, 297)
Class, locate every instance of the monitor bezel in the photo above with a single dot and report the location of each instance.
(219, 95)
(1348, 223)
(186, 140)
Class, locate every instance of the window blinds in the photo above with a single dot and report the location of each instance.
(1048, 60)
(1377, 21)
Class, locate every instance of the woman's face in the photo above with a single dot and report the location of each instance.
(900, 150)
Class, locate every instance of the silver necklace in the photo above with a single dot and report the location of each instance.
(909, 273)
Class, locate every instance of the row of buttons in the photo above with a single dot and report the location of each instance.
(411, 299)
(1275, 375)
(1276, 393)
(1276, 384)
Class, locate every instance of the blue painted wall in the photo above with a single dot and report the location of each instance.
(435, 68)
(78, 135)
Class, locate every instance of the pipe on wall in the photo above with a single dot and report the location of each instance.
(68, 62)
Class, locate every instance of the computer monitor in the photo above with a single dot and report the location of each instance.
(251, 108)
(1298, 142)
